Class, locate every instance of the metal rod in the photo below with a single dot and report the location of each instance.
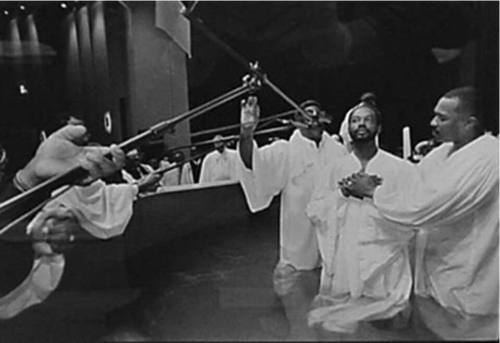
(198, 23)
(286, 98)
(33, 197)
(161, 171)
(231, 138)
(197, 111)
(237, 126)
(32, 211)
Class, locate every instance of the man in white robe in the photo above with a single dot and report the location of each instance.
(288, 167)
(366, 273)
(455, 206)
(219, 165)
(102, 211)
(182, 175)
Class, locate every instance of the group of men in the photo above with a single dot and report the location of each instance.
(347, 218)
(217, 165)
(354, 214)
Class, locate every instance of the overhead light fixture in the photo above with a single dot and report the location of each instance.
(22, 7)
(6, 12)
(64, 5)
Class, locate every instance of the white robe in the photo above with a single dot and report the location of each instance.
(366, 273)
(456, 207)
(102, 210)
(218, 166)
(173, 178)
(289, 168)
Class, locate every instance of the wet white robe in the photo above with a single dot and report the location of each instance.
(102, 210)
(456, 207)
(218, 166)
(366, 273)
(289, 167)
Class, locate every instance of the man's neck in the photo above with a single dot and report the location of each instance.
(364, 151)
(315, 139)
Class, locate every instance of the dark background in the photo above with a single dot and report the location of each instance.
(296, 43)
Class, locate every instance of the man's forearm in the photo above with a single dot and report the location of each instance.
(246, 149)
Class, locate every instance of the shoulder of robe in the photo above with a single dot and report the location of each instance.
(279, 145)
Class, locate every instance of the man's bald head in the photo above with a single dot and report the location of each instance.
(466, 100)
(455, 117)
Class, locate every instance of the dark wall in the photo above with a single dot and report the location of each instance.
(107, 57)
(96, 67)
(487, 62)
(302, 49)
(158, 75)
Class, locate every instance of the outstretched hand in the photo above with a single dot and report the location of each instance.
(61, 152)
(53, 230)
(250, 114)
(149, 183)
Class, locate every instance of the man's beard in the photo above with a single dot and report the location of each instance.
(367, 138)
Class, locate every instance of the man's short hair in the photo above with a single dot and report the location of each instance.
(467, 99)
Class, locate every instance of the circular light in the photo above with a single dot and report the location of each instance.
(63, 5)
(22, 7)
(22, 89)
(108, 122)
(6, 12)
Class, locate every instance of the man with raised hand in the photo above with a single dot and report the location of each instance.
(289, 168)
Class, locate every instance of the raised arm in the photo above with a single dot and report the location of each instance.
(250, 113)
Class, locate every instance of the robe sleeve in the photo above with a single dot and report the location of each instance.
(205, 175)
(102, 210)
(187, 174)
(233, 157)
(467, 182)
(42, 280)
(268, 175)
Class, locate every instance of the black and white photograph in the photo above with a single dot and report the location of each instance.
(242, 171)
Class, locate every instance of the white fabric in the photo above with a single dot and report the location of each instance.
(366, 271)
(44, 277)
(143, 170)
(102, 210)
(218, 166)
(456, 206)
(289, 168)
(344, 132)
(172, 177)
